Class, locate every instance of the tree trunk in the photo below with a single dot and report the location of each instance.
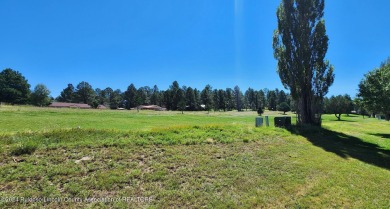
(338, 117)
(387, 117)
(308, 112)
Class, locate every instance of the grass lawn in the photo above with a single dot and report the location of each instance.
(167, 159)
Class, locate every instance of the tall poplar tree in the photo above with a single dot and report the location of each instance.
(300, 44)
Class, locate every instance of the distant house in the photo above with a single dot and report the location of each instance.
(151, 107)
(69, 105)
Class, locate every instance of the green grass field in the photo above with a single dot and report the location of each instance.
(171, 160)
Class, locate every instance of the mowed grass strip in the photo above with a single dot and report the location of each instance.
(16, 119)
(187, 135)
(213, 164)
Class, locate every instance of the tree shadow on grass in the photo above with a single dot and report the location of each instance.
(345, 146)
(386, 136)
(342, 120)
(352, 116)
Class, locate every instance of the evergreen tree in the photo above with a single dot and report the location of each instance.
(271, 98)
(207, 97)
(155, 97)
(190, 98)
(230, 100)
(68, 94)
(14, 87)
(282, 97)
(175, 97)
(130, 97)
(221, 100)
(198, 100)
(167, 99)
(143, 96)
(238, 98)
(215, 100)
(85, 93)
(260, 110)
(116, 99)
(106, 94)
(261, 99)
(99, 98)
(182, 100)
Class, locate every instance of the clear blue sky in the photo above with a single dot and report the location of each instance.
(196, 42)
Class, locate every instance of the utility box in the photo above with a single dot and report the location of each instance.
(259, 121)
(282, 121)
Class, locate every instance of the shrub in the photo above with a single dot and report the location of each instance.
(21, 148)
(260, 111)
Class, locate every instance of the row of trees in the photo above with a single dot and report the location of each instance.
(176, 97)
(337, 105)
(373, 97)
(15, 89)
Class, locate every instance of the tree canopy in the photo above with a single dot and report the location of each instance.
(337, 105)
(284, 107)
(300, 44)
(40, 96)
(130, 96)
(85, 93)
(14, 87)
(207, 97)
(375, 90)
(67, 94)
(174, 98)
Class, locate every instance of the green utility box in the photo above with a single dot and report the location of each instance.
(259, 121)
(282, 121)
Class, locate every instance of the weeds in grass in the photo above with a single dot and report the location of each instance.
(23, 147)
(225, 165)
